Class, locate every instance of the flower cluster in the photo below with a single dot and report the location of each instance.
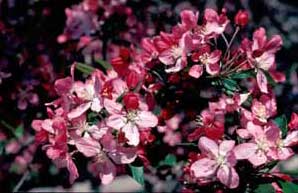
(195, 84)
(100, 118)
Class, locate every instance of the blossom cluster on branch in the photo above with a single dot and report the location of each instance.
(197, 84)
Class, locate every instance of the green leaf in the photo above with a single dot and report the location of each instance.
(242, 74)
(104, 64)
(289, 187)
(170, 160)
(19, 132)
(269, 78)
(137, 173)
(281, 122)
(2, 146)
(84, 68)
(264, 188)
(230, 85)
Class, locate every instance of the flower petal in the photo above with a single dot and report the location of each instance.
(208, 146)
(131, 132)
(262, 81)
(245, 150)
(146, 119)
(196, 71)
(78, 111)
(204, 168)
(226, 146)
(228, 176)
(116, 121)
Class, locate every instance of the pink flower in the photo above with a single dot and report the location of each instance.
(214, 24)
(280, 149)
(89, 94)
(218, 161)
(175, 51)
(208, 59)
(261, 54)
(189, 19)
(294, 121)
(129, 121)
(257, 148)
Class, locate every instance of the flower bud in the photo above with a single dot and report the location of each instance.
(241, 18)
(131, 101)
(132, 79)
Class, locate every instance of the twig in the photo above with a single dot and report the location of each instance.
(21, 182)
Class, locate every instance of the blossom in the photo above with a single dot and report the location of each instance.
(129, 121)
(256, 150)
(174, 51)
(217, 161)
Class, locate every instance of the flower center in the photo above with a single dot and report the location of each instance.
(221, 160)
(177, 52)
(204, 58)
(132, 116)
(261, 112)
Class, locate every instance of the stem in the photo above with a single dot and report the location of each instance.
(9, 127)
(225, 39)
(187, 144)
(231, 41)
(21, 182)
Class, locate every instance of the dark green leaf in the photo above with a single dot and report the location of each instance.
(170, 160)
(289, 187)
(230, 85)
(242, 74)
(264, 188)
(281, 122)
(84, 68)
(19, 131)
(137, 173)
(269, 78)
(104, 64)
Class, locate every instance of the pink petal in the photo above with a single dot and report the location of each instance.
(146, 119)
(274, 44)
(255, 130)
(96, 105)
(243, 133)
(228, 176)
(196, 71)
(212, 69)
(204, 168)
(291, 139)
(88, 146)
(73, 171)
(226, 146)
(258, 158)
(123, 155)
(285, 153)
(189, 19)
(245, 150)
(47, 125)
(208, 146)
(107, 171)
(112, 106)
(78, 111)
(131, 132)
(259, 39)
(262, 81)
(166, 57)
(178, 66)
(116, 121)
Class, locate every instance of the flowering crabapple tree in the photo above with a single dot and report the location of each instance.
(197, 97)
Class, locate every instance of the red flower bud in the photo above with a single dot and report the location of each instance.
(132, 79)
(131, 101)
(241, 18)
